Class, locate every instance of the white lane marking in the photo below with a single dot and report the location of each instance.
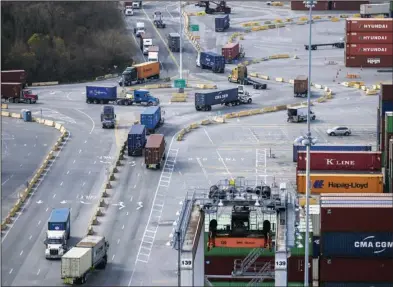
(7, 179)
(253, 134)
(122, 227)
(84, 183)
(39, 222)
(127, 213)
(95, 162)
(30, 237)
(68, 96)
(118, 241)
(68, 172)
(135, 186)
(180, 172)
(166, 8)
(204, 170)
(61, 183)
(85, 141)
(47, 209)
(223, 162)
(80, 151)
(94, 125)
(20, 254)
(11, 270)
(29, 154)
(131, 198)
(39, 270)
(89, 171)
(21, 164)
(34, 145)
(74, 161)
(113, 257)
(208, 136)
(54, 195)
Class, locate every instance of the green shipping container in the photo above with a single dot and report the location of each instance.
(261, 284)
(389, 122)
(391, 6)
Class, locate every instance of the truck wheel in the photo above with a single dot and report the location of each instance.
(126, 103)
(158, 166)
(149, 103)
(95, 101)
(29, 101)
(249, 101)
(102, 102)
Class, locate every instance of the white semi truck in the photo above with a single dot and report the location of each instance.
(59, 231)
(139, 29)
(299, 114)
(89, 254)
(153, 54)
(369, 10)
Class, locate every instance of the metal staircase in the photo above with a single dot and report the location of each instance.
(266, 272)
(241, 266)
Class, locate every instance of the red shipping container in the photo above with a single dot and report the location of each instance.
(341, 160)
(369, 25)
(231, 51)
(355, 270)
(299, 6)
(369, 49)
(368, 61)
(347, 5)
(369, 38)
(14, 76)
(387, 91)
(345, 218)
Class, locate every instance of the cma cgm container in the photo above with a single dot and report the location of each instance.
(341, 160)
(356, 270)
(346, 5)
(343, 183)
(357, 217)
(368, 61)
(358, 284)
(357, 244)
(369, 38)
(205, 101)
(369, 25)
(297, 148)
(230, 51)
(369, 50)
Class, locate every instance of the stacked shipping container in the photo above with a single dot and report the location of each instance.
(356, 240)
(337, 5)
(369, 43)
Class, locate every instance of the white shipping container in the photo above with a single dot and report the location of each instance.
(315, 269)
(374, 9)
(76, 262)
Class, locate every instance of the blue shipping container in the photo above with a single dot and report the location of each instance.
(212, 60)
(348, 284)
(386, 107)
(102, 93)
(221, 23)
(315, 247)
(59, 219)
(136, 140)
(357, 244)
(151, 117)
(297, 148)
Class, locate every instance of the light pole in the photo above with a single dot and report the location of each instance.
(181, 90)
(308, 142)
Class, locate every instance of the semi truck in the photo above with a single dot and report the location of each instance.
(300, 86)
(239, 75)
(15, 93)
(139, 29)
(137, 4)
(59, 231)
(136, 140)
(155, 151)
(14, 76)
(89, 254)
(158, 20)
(231, 52)
(108, 117)
(370, 10)
(230, 97)
(152, 54)
(151, 118)
(299, 114)
(212, 61)
(142, 97)
(174, 42)
(221, 23)
(140, 73)
(146, 41)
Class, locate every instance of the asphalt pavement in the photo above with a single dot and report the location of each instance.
(24, 147)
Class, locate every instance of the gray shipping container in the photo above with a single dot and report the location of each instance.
(97, 244)
(174, 42)
(215, 98)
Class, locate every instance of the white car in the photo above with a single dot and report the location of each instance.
(339, 131)
(129, 12)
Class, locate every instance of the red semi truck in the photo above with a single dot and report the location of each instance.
(14, 76)
(15, 93)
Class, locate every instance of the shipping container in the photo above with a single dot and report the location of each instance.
(315, 270)
(356, 270)
(348, 5)
(148, 70)
(369, 25)
(369, 10)
(345, 183)
(211, 60)
(96, 244)
(369, 50)
(217, 265)
(221, 23)
(341, 160)
(11, 90)
(300, 6)
(230, 51)
(369, 38)
(315, 247)
(357, 244)
(368, 61)
(76, 262)
(60, 220)
(14, 76)
(136, 140)
(155, 151)
(386, 152)
(349, 284)
(204, 101)
(350, 217)
(386, 93)
(151, 118)
(174, 42)
(316, 222)
(300, 86)
(378, 130)
(101, 94)
(297, 148)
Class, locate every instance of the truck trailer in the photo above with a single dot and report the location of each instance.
(136, 140)
(370, 10)
(146, 41)
(174, 42)
(239, 75)
(221, 23)
(89, 254)
(300, 86)
(139, 29)
(14, 76)
(299, 114)
(230, 97)
(151, 118)
(108, 117)
(152, 54)
(140, 73)
(15, 93)
(155, 151)
(212, 61)
(59, 231)
(101, 94)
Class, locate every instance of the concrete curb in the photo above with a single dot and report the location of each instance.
(37, 177)
(4, 106)
(108, 76)
(40, 84)
(102, 204)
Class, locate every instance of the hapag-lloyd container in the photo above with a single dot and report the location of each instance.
(369, 38)
(369, 25)
(341, 160)
(369, 50)
(360, 218)
(356, 270)
(341, 182)
(368, 61)
(357, 244)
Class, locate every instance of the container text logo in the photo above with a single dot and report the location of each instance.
(373, 37)
(375, 26)
(221, 96)
(370, 242)
(348, 185)
(374, 49)
(333, 161)
(318, 184)
(373, 61)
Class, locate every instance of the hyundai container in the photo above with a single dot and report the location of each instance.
(297, 148)
(369, 25)
(221, 23)
(368, 61)
(101, 94)
(151, 118)
(341, 160)
(231, 51)
(14, 76)
(136, 140)
(339, 182)
(210, 60)
(386, 151)
(346, 5)
(363, 217)
(155, 151)
(316, 249)
(369, 50)
(204, 101)
(357, 284)
(369, 38)
(357, 244)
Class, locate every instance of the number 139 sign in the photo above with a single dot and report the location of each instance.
(281, 265)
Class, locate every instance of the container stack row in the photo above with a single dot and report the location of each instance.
(369, 43)
(337, 5)
(356, 240)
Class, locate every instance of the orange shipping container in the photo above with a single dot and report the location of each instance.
(341, 183)
(148, 70)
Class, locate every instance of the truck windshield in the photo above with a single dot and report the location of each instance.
(55, 241)
(108, 116)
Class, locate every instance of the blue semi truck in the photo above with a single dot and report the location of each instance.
(59, 231)
(142, 97)
(136, 140)
(212, 61)
(151, 118)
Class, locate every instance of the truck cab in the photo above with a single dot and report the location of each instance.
(28, 96)
(137, 4)
(129, 11)
(153, 57)
(144, 97)
(56, 244)
(108, 117)
(147, 43)
(299, 114)
(158, 20)
(244, 96)
(140, 28)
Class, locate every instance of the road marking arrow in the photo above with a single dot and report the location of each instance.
(63, 202)
(40, 201)
(140, 205)
(84, 202)
(120, 205)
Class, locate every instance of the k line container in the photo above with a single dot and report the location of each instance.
(369, 25)
(369, 50)
(357, 244)
(341, 160)
(356, 270)
(369, 38)
(368, 61)
(343, 183)
(349, 217)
